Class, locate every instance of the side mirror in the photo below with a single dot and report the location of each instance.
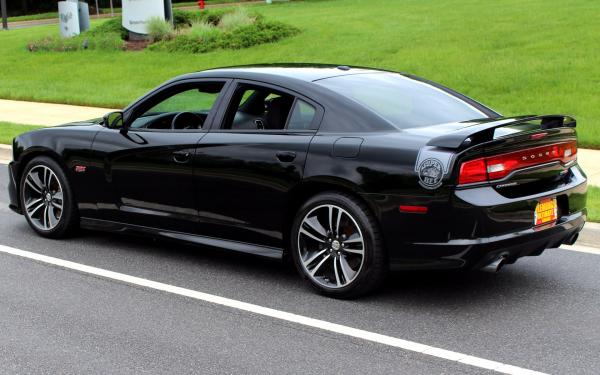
(113, 120)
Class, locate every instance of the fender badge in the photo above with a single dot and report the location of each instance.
(80, 168)
(430, 173)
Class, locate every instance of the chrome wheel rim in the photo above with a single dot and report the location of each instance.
(43, 198)
(331, 246)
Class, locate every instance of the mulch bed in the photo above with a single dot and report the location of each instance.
(136, 45)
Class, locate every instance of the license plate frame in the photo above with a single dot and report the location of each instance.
(546, 212)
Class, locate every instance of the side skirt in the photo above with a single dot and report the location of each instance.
(242, 247)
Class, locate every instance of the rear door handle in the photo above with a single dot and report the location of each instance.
(181, 157)
(286, 156)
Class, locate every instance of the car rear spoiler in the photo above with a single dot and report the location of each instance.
(484, 131)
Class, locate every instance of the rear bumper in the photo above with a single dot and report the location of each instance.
(477, 253)
(471, 227)
(13, 194)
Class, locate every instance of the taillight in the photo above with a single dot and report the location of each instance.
(499, 166)
(473, 171)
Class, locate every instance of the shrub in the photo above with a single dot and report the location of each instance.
(241, 37)
(203, 32)
(56, 44)
(159, 29)
(184, 18)
(198, 32)
(236, 19)
(212, 16)
(113, 25)
(258, 33)
(107, 42)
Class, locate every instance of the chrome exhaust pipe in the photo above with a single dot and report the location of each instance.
(495, 265)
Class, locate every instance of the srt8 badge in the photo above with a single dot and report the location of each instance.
(432, 166)
(430, 173)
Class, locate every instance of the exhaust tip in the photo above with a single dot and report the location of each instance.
(496, 265)
(571, 240)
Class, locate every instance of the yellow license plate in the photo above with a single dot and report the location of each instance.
(546, 212)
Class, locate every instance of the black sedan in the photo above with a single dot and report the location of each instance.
(350, 172)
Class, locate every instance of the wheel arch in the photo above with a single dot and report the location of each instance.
(31, 154)
(313, 186)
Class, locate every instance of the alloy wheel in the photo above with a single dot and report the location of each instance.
(331, 246)
(43, 198)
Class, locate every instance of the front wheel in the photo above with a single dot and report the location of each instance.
(337, 246)
(46, 198)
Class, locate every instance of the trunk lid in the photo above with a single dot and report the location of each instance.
(518, 156)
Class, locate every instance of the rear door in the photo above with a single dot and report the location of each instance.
(251, 160)
(148, 166)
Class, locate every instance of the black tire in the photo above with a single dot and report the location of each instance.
(68, 222)
(374, 262)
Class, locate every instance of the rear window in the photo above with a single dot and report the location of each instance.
(404, 102)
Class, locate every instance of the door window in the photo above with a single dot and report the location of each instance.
(258, 108)
(184, 109)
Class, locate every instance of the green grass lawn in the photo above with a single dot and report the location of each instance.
(519, 57)
(9, 130)
(32, 17)
(593, 203)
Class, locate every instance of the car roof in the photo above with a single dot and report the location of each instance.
(302, 72)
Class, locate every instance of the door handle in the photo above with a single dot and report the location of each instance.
(181, 157)
(286, 156)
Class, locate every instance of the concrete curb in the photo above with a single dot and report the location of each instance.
(590, 235)
(5, 153)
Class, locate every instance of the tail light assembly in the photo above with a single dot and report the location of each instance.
(496, 167)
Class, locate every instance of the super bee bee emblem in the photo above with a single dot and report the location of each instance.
(430, 173)
(431, 167)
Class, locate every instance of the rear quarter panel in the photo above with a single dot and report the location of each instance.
(383, 175)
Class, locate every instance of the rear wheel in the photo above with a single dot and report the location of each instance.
(337, 246)
(46, 198)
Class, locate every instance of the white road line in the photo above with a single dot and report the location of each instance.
(581, 249)
(277, 314)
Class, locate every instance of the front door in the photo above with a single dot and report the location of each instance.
(246, 167)
(148, 165)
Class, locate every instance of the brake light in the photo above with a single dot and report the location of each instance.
(499, 166)
(473, 171)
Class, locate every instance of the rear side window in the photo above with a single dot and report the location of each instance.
(404, 102)
(254, 107)
(302, 116)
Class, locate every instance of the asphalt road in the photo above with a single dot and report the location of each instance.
(542, 313)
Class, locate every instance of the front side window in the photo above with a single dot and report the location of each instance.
(403, 101)
(184, 109)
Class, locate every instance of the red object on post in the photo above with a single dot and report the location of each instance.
(201, 4)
